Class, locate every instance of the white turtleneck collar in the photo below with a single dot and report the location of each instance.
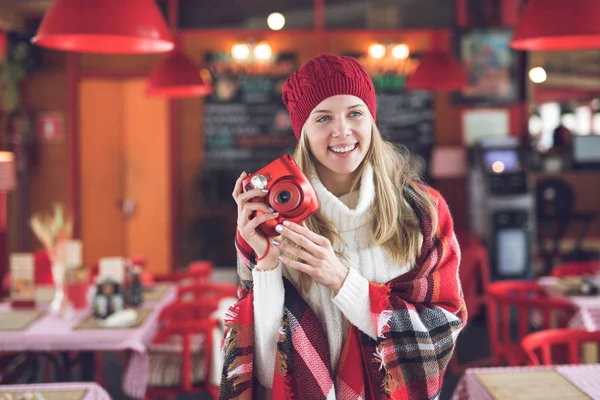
(339, 210)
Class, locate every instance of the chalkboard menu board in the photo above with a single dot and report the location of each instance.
(407, 118)
(246, 124)
(403, 117)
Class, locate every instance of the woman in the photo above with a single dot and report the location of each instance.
(363, 299)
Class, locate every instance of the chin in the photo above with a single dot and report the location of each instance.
(343, 167)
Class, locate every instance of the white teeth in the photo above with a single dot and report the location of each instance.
(343, 149)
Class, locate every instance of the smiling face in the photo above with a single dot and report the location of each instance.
(339, 135)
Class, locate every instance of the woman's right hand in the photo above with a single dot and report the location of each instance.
(246, 225)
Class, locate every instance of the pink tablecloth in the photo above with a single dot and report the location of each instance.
(52, 333)
(94, 391)
(588, 308)
(584, 377)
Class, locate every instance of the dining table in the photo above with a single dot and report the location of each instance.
(588, 306)
(552, 382)
(54, 391)
(38, 330)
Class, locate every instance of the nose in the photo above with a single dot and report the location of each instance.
(341, 128)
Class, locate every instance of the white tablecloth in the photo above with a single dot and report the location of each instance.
(588, 307)
(94, 391)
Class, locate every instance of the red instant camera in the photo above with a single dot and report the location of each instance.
(290, 193)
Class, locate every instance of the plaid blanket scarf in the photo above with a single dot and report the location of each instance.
(418, 317)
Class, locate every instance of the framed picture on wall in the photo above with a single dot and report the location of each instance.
(492, 67)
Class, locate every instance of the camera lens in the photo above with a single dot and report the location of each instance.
(284, 196)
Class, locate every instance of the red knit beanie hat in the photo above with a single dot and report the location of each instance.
(320, 78)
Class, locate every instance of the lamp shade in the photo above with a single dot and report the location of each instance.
(176, 76)
(7, 171)
(104, 26)
(438, 70)
(558, 25)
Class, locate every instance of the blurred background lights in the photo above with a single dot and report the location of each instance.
(400, 52)
(240, 51)
(537, 75)
(276, 21)
(498, 167)
(262, 51)
(377, 50)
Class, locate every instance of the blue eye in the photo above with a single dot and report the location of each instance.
(355, 114)
(324, 119)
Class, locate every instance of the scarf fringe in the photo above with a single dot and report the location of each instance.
(283, 357)
(231, 315)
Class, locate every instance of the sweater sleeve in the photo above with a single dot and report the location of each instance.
(268, 314)
(353, 301)
(268, 300)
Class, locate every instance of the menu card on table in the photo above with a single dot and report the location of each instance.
(73, 253)
(521, 385)
(112, 268)
(22, 280)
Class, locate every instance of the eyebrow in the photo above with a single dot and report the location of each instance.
(327, 111)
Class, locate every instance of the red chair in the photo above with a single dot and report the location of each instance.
(576, 268)
(188, 310)
(474, 272)
(474, 278)
(194, 367)
(201, 290)
(544, 342)
(525, 299)
(197, 271)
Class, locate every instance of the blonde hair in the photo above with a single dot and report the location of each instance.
(396, 227)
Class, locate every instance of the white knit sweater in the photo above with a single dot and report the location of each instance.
(351, 214)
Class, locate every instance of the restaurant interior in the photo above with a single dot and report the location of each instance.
(124, 126)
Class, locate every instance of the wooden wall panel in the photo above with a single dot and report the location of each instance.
(46, 90)
(101, 147)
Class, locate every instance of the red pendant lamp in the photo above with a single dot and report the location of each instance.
(176, 76)
(547, 25)
(438, 70)
(104, 26)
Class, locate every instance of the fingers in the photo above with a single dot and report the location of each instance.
(302, 230)
(249, 208)
(297, 265)
(249, 195)
(296, 251)
(299, 239)
(237, 189)
(256, 221)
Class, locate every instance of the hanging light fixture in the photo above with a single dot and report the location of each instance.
(176, 76)
(558, 25)
(438, 70)
(104, 26)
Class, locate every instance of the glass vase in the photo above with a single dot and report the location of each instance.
(60, 304)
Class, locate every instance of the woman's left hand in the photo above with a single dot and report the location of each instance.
(320, 261)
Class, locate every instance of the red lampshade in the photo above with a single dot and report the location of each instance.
(438, 71)
(176, 76)
(558, 25)
(104, 26)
